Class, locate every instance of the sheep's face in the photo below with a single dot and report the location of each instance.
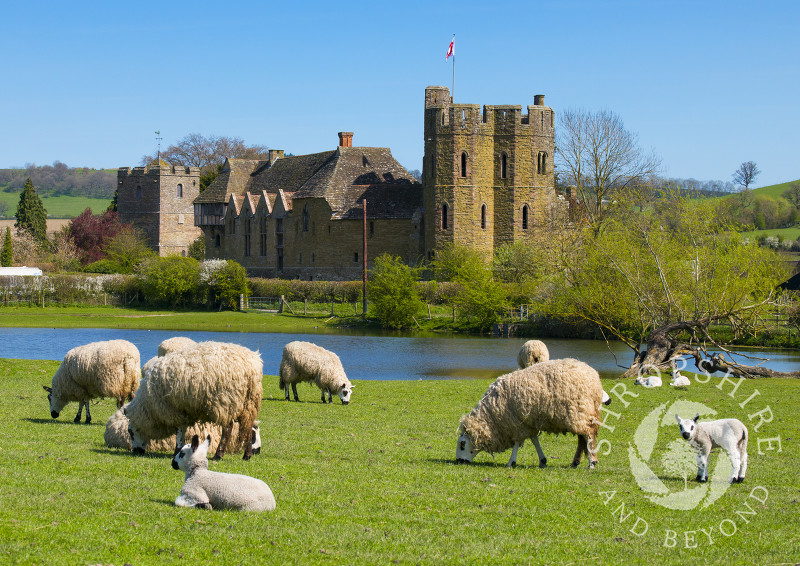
(55, 404)
(137, 441)
(465, 449)
(344, 393)
(688, 426)
(191, 453)
(606, 398)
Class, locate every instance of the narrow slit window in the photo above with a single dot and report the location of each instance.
(503, 166)
(464, 164)
(483, 217)
(525, 217)
(180, 190)
(444, 216)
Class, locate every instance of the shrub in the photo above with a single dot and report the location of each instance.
(171, 280)
(393, 293)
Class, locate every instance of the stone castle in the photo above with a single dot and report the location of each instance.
(487, 180)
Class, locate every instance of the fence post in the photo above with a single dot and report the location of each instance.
(241, 302)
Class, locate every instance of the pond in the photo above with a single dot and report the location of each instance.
(363, 357)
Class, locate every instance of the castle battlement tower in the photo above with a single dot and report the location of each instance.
(487, 174)
(158, 201)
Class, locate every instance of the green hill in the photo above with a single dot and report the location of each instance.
(57, 207)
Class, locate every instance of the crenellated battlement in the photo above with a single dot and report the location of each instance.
(158, 171)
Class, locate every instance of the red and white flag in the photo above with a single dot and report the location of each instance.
(451, 49)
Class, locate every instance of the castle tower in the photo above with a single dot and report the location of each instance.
(487, 175)
(158, 201)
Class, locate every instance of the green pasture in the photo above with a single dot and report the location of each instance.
(57, 207)
(375, 482)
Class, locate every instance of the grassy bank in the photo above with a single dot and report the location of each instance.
(375, 482)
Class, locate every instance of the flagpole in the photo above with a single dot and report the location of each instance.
(454, 69)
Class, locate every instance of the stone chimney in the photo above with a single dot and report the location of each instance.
(345, 139)
(538, 100)
(274, 155)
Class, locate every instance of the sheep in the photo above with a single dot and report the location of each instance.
(304, 361)
(117, 436)
(557, 396)
(95, 370)
(212, 382)
(216, 490)
(174, 344)
(532, 352)
(730, 434)
(679, 380)
(649, 381)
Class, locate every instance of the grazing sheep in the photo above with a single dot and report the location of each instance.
(649, 381)
(679, 380)
(730, 434)
(91, 371)
(174, 344)
(210, 382)
(215, 490)
(117, 436)
(304, 361)
(532, 352)
(557, 396)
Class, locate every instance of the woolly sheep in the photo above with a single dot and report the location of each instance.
(729, 434)
(679, 380)
(95, 370)
(211, 382)
(174, 344)
(557, 396)
(215, 490)
(532, 352)
(117, 436)
(304, 361)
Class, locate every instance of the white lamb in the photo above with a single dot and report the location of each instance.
(729, 434)
(649, 381)
(91, 371)
(304, 361)
(210, 382)
(557, 396)
(532, 352)
(215, 490)
(679, 380)
(174, 344)
(117, 436)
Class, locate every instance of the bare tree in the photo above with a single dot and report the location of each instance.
(746, 174)
(598, 156)
(208, 153)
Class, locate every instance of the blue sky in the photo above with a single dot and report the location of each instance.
(705, 84)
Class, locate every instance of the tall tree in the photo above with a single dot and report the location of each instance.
(207, 153)
(746, 174)
(792, 194)
(7, 255)
(31, 214)
(598, 156)
(92, 233)
(393, 292)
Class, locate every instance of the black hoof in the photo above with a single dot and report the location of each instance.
(54, 414)
(76, 420)
(574, 464)
(88, 421)
(703, 480)
(246, 457)
(256, 451)
(138, 451)
(543, 463)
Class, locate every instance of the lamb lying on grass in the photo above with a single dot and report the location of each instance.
(730, 434)
(215, 490)
(304, 361)
(557, 396)
(649, 381)
(679, 380)
(95, 370)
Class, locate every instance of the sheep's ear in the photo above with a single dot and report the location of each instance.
(48, 389)
(696, 417)
(352, 386)
(195, 442)
(125, 410)
(207, 441)
(678, 418)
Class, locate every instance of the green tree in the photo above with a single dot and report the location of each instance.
(127, 249)
(112, 207)
(7, 255)
(393, 292)
(197, 249)
(170, 281)
(227, 283)
(31, 214)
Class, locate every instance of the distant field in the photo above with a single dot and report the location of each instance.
(57, 207)
(788, 233)
(772, 191)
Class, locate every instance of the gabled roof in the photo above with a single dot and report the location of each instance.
(234, 178)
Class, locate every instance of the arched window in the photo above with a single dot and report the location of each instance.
(483, 217)
(180, 190)
(444, 216)
(541, 165)
(503, 166)
(525, 217)
(217, 241)
(463, 163)
(138, 192)
(305, 218)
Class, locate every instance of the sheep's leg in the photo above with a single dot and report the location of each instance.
(702, 466)
(579, 452)
(736, 463)
(330, 397)
(180, 440)
(512, 462)
(223, 442)
(77, 418)
(591, 451)
(323, 396)
(88, 415)
(294, 390)
(286, 389)
(539, 451)
(743, 452)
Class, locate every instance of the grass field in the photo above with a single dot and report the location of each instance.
(374, 482)
(57, 207)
